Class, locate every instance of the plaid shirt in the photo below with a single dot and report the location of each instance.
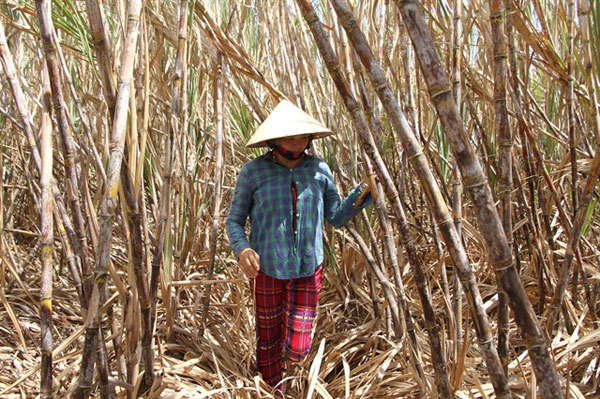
(263, 192)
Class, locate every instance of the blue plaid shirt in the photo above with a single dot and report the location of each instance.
(263, 192)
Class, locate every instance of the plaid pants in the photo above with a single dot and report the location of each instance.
(285, 311)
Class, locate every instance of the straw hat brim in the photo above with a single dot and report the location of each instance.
(287, 120)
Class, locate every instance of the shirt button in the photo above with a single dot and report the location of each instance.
(295, 231)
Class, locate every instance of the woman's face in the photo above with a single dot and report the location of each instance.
(294, 143)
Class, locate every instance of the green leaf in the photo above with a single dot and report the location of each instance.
(588, 216)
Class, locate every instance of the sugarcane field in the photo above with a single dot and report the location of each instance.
(335, 199)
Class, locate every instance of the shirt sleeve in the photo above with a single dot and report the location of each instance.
(240, 207)
(339, 211)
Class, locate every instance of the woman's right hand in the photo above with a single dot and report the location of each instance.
(249, 262)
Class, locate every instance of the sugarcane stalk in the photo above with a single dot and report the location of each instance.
(442, 381)
(484, 144)
(64, 224)
(110, 199)
(218, 154)
(237, 58)
(392, 253)
(505, 159)
(134, 217)
(372, 118)
(530, 230)
(583, 14)
(386, 227)
(574, 238)
(457, 189)
(400, 291)
(47, 238)
(134, 222)
(43, 8)
(527, 163)
(434, 196)
(106, 390)
(91, 150)
(378, 258)
(360, 124)
(131, 356)
(475, 182)
(563, 217)
(294, 78)
(143, 90)
(164, 220)
(369, 145)
(386, 285)
(571, 123)
(63, 221)
(431, 325)
(101, 47)
(17, 92)
(592, 179)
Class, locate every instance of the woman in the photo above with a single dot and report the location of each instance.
(287, 194)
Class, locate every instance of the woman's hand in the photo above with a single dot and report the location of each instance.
(249, 262)
(368, 185)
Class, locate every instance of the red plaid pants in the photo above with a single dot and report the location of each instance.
(285, 311)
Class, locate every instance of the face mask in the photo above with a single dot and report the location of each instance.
(291, 155)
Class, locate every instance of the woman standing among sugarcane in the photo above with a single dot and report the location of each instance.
(287, 194)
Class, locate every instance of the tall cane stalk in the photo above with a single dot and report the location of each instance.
(164, 221)
(375, 263)
(380, 206)
(110, 199)
(134, 217)
(101, 47)
(457, 189)
(361, 127)
(43, 8)
(584, 8)
(575, 232)
(134, 220)
(527, 167)
(442, 381)
(571, 121)
(218, 107)
(505, 159)
(476, 184)
(47, 242)
(434, 196)
(64, 224)
(574, 236)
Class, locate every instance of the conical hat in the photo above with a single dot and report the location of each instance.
(287, 120)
